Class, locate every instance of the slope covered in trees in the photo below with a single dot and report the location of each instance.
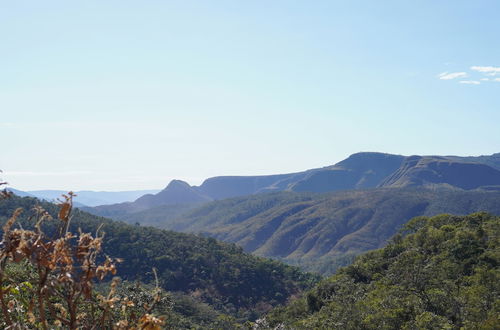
(321, 231)
(439, 273)
(216, 273)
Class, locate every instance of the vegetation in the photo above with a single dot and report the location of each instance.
(320, 232)
(53, 287)
(210, 272)
(155, 217)
(438, 273)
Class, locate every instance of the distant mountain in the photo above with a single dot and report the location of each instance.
(318, 230)
(177, 192)
(366, 170)
(221, 187)
(359, 171)
(93, 198)
(442, 171)
(362, 170)
(19, 193)
(492, 160)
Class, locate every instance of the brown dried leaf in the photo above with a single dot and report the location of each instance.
(64, 211)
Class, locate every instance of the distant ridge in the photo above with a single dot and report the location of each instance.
(425, 171)
(20, 193)
(362, 170)
(358, 171)
(92, 198)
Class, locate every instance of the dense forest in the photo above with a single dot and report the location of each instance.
(437, 273)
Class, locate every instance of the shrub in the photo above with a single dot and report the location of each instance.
(48, 282)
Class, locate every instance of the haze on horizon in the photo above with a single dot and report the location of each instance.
(123, 95)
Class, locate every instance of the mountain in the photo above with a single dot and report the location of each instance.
(365, 170)
(216, 273)
(93, 198)
(221, 187)
(362, 170)
(177, 194)
(438, 273)
(492, 160)
(321, 231)
(180, 195)
(304, 223)
(359, 171)
(436, 171)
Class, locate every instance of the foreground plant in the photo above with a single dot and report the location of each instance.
(59, 291)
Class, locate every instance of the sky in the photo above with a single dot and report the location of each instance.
(124, 95)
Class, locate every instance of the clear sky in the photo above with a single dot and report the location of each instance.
(122, 95)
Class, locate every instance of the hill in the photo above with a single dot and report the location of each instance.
(441, 273)
(176, 193)
(320, 231)
(216, 273)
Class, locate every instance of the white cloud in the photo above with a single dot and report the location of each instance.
(470, 82)
(488, 70)
(452, 75)
(496, 79)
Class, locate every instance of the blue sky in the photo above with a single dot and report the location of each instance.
(121, 95)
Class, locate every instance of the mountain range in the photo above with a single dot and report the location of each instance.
(319, 231)
(321, 218)
(359, 171)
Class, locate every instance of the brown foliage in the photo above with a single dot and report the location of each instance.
(66, 268)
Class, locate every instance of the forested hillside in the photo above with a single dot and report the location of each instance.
(439, 273)
(216, 273)
(320, 231)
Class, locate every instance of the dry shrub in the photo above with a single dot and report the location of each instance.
(65, 267)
